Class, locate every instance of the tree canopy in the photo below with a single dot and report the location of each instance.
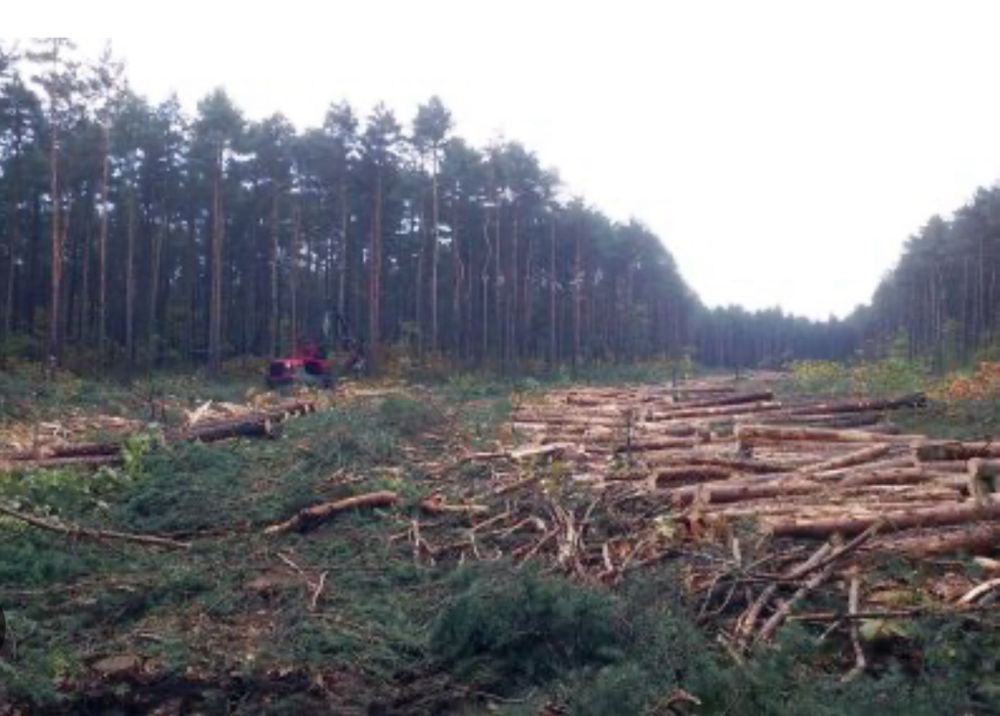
(132, 232)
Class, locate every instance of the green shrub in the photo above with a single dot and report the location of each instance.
(890, 377)
(509, 627)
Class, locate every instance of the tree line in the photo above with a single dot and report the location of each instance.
(941, 301)
(134, 234)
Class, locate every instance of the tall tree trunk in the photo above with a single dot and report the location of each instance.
(215, 300)
(577, 298)
(102, 249)
(485, 277)
(130, 279)
(190, 272)
(154, 290)
(553, 345)
(375, 278)
(13, 240)
(456, 276)
(345, 254)
(513, 291)
(420, 285)
(498, 288)
(293, 271)
(57, 248)
(527, 338)
(435, 346)
(272, 265)
(84, 318)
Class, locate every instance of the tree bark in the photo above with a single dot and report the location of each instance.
(375, 277)
(938, 516)
(553, 346)
(102, 248)
(858, 457)
(272, 265)
(57, 247)
(130, 279)
(435, 346)
(749, 434)
(941, 451)
(215, 300)
(345, 254)
(293, 273)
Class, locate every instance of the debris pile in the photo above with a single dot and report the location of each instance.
(766, 501)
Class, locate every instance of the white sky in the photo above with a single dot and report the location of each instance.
(783, 151)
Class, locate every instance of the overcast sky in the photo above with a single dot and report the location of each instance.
(783, 151)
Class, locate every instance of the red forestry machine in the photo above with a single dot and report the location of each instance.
(311, 364)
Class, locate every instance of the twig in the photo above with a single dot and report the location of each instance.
(772, 624)
(748, 622)
(318, 591)
(860, 663)
(978, 591)
(77, 532)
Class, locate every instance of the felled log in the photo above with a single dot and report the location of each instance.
(311, 517)
(887, 464)
(945, 515)
(976, 538)
(752, 434)
(554, 450)
(52, 463)
(77, 532)
(757, 467)
(736, 491)
(769, 507)
(257, 425)
(740, 398)
(858, 420)
(955, 450)
(893, 476)
(661, 444)
(916, 400)
(675, 430)
(858, 457)
(70, 450)
(711, 412)
(686, 474)
(564, 419)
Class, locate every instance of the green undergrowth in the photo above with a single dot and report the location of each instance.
(533, 638)
(872, 379)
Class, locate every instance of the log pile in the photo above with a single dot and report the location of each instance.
(768, 502)
(244, 423)
(710, 455)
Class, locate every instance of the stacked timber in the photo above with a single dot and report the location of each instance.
(711, 454)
